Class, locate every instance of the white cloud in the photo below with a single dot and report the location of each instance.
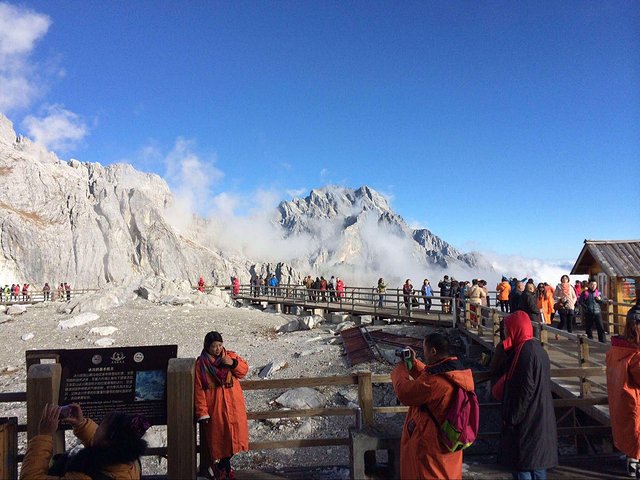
(57, 128)
(20, 30)
(324, 172)
(296, 192)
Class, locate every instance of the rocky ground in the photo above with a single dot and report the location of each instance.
(250, 332)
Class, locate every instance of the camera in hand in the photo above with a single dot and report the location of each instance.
(403, 353)
(65, 412)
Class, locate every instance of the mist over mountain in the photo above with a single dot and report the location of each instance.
(93, 225)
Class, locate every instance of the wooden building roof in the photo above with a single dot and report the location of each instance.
(616, 258)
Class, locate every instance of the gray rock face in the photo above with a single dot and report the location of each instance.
(303, 397)
(91, 225)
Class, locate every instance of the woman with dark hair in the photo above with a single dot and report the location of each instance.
(623, 385)
(219, 404)
(566, 298)
(112, 449)
(528, 302)
(545, 303)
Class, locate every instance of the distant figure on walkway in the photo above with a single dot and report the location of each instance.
(407, 291)
(60, 291)
(429, 387)
(323, 289)
(427, 293)
(219, 404)
(528, 302)
(273, 283)
(340, 287)
(545, 303)
(332, 288)
(235, 286)
(476, 293)
(503, 289)
(46, 291)
(25, 292)
(578, 288)
(590, 300)
(111, 450)
(445, 291)
(565, 298)
(623, 387)
(382, 289)
(514, 296)
(529, 440)
(67, 290)
(201, 284)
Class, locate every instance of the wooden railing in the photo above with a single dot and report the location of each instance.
(39, 296)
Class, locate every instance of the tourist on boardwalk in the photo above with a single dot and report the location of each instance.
(407, 291)
(111, 450)
(429, 386)
(16, 292)
(528, 435)
(67, 291)
(445, 291)
(382, 289)
(60, 291)
(201, 284)
(476, 293)
(528, 302)
(427, 293)
(331, 285)
(623, 387)
(25, 292)
(315, 290)
(235, 286)
(565, 298)
(578, 288)
(503, 289)
(219, 404)
(323, 289)
(273, 283)
(46, 291)
(545, 303)
(340, 287)
(590, 300)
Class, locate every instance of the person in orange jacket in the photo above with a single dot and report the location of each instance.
(112, 449)
(545, 303)
(623, 387)
(219, 403)
(503, 289)
(422, 456)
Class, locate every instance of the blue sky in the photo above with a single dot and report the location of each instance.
(511, 127)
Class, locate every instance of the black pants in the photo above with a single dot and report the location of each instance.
(589, 320)
(504, 305)
(566, 317)
(427, 304)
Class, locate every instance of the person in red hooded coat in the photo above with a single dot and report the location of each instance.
(529, 440)
(201, 285)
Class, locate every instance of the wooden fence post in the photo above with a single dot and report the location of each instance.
(611, 318)
(365, 397)
(467, 315)
(495, 326)
(181, 428)
(9, 448)
(544, 336)
(583, 358)
(43, 386)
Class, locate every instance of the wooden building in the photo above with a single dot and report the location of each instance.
(615, 265)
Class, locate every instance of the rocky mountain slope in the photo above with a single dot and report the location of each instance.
(92, 225)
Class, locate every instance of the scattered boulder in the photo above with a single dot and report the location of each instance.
(3, 308)
(300, 398)
(271, 368)
(27, 336)
(309, 322)
(105, 342)
(103, 331)
(339, 317)
(291, 326)
(78, 320)
(344, 325)
(16, 309)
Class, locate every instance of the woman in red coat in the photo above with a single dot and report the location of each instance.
(219, 403)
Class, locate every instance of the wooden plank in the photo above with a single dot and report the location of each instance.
(8, 448)
(181, 431)
(13, 397)
(365, 396)
(43, 387)
(299, 382)
(306, 412)
(298, 443)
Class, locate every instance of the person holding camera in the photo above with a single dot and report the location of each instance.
(219, 404)
(565, 297)
(428, 390)
(112, 449)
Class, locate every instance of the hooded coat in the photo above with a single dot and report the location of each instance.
(529, 439)
(422, 455)
(623, 385)
(227, 429)
(40, 449)
(503, 289)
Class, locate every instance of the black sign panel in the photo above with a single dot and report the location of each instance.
(126, 379)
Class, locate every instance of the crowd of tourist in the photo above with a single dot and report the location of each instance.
(25, 292)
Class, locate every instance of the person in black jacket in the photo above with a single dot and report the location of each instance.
(445, 291)
(514, 296)
(528, 302)
(529, 441)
